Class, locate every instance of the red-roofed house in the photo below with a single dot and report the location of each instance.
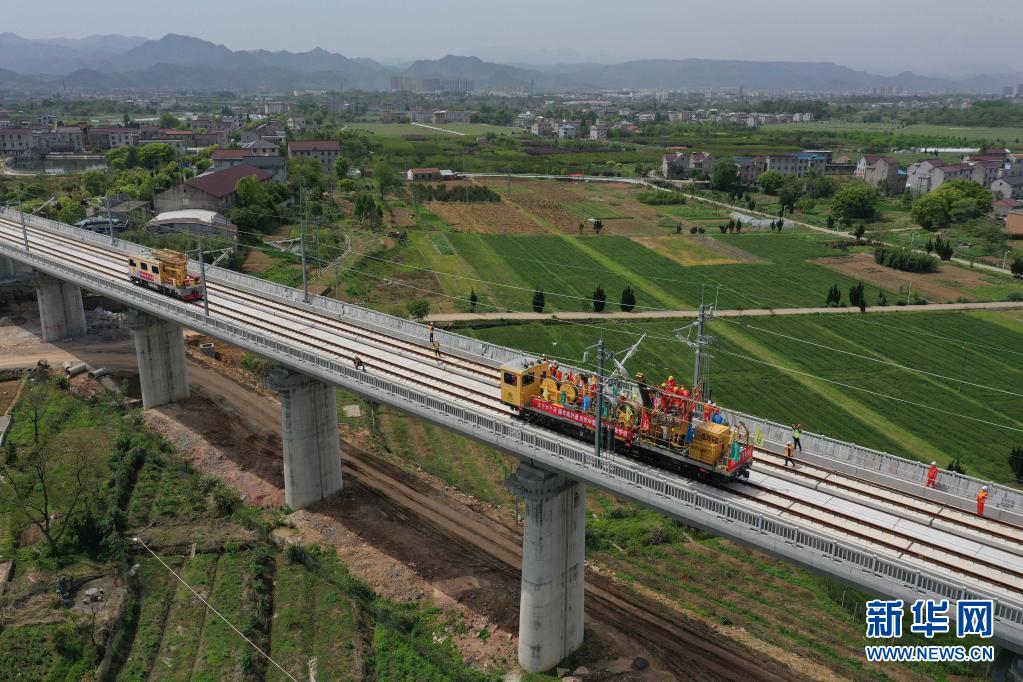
(1001, 207)
(423, 174)
(324, 151)
(211, 191)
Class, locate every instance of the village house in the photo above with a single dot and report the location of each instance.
(882, 172)
(687, 164)
(195, 221)
(228, 158)
(423, 174)
(17, 143)
(324, 151)
(598, 131)
(1008, 187)
(215, 191)
(929, 174)
(1002, 207)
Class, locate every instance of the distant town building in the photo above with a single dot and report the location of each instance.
(17, 143)
(543, 127)
(598, 131)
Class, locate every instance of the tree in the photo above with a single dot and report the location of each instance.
(94, 183)
(855, 201)
(538, 301)
(1017, 267)
(367, 209)
(628, 301)
(1016, 462)
(956, 201)
(858, 297)
(341, 167)
(153, 156)
(834, 297)
(473, 300)
(170, 121)
(384, 176)
(122, 158)
(725, 176)
(599, 299)
(50, 485)
(417, 309)
(831, 222)
(860, 230)
(789, 193)
(598, 225)
(253, 204)
(770, 181)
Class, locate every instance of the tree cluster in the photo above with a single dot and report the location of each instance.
(465, 193)
(903, 259)
(367, 210)
(599, 299)
(731, 226)
(956, 201)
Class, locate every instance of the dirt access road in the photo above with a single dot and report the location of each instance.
(412, 537)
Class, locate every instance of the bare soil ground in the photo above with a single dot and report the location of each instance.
(256, 261)
(8, 389)
(486, 218)
(945, 286)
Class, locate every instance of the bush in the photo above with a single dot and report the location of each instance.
(904, 259)
(417, 309)
(539, 300)
(661, 198)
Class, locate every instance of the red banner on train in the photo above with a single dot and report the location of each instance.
(582, 418)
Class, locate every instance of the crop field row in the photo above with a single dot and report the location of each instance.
(875, 402)
(568, 269)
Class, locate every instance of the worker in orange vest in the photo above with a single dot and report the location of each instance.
(981, 499)
(932, 475)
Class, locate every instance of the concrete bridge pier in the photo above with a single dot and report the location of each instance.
(312, 446)
(8, 267)
(1007, 666)
(160, 351)
(61, 313)
(553, 566)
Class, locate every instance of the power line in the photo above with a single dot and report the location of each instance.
(212, 608)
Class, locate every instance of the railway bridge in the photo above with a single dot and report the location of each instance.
(854, 514)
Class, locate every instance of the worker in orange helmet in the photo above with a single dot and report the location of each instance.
(671, 383)
(707, 408)
(932, 475)
(981, 499)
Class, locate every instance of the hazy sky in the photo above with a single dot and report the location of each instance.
(929, 36)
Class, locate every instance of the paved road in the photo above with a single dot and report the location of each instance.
(722, 204)
(756, 312)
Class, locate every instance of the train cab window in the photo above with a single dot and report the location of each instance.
(156, 270)
(145, 267)
(527, 379)
(510, 379)
(131, 262)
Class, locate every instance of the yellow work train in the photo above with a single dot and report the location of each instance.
(165, 271)
(648, 423)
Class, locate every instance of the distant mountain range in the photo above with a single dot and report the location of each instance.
(177, 62)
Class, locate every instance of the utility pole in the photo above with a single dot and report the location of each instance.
(705, 313)
(909, 294)
(600, 394)
(110, 222)
(21, 210)
(305, 278)
(1004, 256)
(962, 374)
(202, 278)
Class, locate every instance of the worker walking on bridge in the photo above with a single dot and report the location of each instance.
(932, 475)
(436, 348)
(796, 433)
(981, 499)
(430, 329)
(790, 454)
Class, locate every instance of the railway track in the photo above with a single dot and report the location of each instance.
(466, 381)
